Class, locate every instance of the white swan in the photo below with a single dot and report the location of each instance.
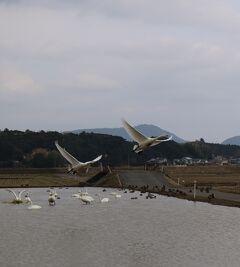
(51, 199)
(116, 195)
(75, 164)
(103, 200)
(84, 197)
(80, 193)
(17, 196)
(143, 141)
(31, 207)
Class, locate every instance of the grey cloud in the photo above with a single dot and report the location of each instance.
(171, 63)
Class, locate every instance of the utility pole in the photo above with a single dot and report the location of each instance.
(119, 181)
(110, 171)
(194, 189)
(101, 166)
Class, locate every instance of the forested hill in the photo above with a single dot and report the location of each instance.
(235, 140)
(37, 149)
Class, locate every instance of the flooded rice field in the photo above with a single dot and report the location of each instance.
(123, 232)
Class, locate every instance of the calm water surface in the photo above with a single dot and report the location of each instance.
(124, 232)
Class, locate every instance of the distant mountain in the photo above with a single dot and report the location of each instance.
(232, 141)
(146, 129)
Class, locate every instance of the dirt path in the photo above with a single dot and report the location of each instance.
(141, 178)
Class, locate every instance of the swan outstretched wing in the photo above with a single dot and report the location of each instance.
(164, 140)
(94, 160)
(66, 155)
(135, 134)
(168, 139)
(11, 191)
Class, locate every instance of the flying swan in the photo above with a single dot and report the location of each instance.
(143, 141)
(75, 164)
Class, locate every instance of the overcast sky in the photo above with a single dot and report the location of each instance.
(68, 64)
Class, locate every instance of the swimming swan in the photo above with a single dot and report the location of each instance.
(103, 200)
(31, 207)
(116, 195)
(51, 199)
(84, 197)
(143, 141)
(75, 164)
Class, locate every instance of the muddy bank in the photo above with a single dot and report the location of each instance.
(213, 201)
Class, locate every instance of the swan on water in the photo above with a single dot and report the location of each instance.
(51, 199)
(103, 200)
(31, 207)
(85, 197)
(115, 194)
(17, 196)
(143, 141)
(75, 165)
(80, 193)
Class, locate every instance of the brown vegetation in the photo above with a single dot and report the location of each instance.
(213, 175)
(37, 178)
(33, 177)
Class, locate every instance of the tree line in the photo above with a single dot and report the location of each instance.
(37, 149)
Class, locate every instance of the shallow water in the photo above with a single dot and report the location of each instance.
(124, 232)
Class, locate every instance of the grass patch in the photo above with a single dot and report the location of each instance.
(214, 175)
